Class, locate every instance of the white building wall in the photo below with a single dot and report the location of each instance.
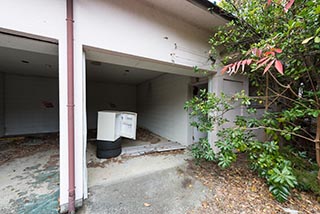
(2, 120)
(160, 107)
(228, 85)
(138, 29)
(27, 100)
(121, 26)
(46, 20)
(108, 96)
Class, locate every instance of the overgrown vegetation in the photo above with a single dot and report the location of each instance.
(276, 44)
(209, 110)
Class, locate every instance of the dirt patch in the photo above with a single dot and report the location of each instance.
(18, 147)
(147, 136)
(239, 190)
(102, 163)
(187, 182)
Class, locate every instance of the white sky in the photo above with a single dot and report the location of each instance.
(217, 1)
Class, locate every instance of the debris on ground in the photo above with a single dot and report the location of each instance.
(240, 190)
(147, 136)
(31, 166)
(17, 147)
(94, 162)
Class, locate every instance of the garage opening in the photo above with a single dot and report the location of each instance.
(29, 125)
(156, 97)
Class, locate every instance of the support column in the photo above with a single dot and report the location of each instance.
(2, 97)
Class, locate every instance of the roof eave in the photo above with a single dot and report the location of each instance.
(213, 8)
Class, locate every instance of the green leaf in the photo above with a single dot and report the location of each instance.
(317, 39)
(317, 10)
(307, 40)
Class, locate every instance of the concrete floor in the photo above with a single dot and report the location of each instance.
(29, 179)
(154, 183)
(146, 142)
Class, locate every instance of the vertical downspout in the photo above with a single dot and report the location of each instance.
(70, 58)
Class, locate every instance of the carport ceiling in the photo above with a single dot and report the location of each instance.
(106, 72)
(24, 62)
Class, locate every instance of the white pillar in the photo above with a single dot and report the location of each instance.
(63, 122)
(80, 133)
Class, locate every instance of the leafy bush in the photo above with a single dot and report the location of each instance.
(203, 150)
(304, 168)
(265, 158)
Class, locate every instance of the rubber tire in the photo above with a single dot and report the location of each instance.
(103, 154)
(108, 145)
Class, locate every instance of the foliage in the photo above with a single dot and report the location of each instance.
(277, 45)
(202, 150)
(304, 169)
(209, 112)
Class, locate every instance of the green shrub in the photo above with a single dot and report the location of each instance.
(304, 168)
(203, 150)
(264, 157)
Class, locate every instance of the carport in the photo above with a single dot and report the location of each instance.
(156, 91)
(29, 124)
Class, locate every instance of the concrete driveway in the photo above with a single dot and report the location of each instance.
(156, 183)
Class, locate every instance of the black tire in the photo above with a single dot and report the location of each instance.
(103, 154)
(108, 145)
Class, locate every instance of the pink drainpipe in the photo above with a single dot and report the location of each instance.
(70, 58)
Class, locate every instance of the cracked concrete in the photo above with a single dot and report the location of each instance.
(30, 184)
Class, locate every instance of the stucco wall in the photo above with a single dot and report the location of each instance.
(108, 96)
(160, 107)
(31, 105)
(1, 104)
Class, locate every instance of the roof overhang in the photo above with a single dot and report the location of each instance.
(200, 13)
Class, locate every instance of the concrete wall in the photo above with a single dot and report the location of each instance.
(160, 107)
(31, 105)
(2, 119)
(108, 96)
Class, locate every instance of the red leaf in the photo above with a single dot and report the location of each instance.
(279, 66)
(269, 2)
(256, 52)
(269, 53)
(224, 69)
(263, 63)
(238, 66)
(232, 70)
(263, 59)
(277, 50)
(288, 5)
(249, 61)
(268, 66)
(244, 62)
